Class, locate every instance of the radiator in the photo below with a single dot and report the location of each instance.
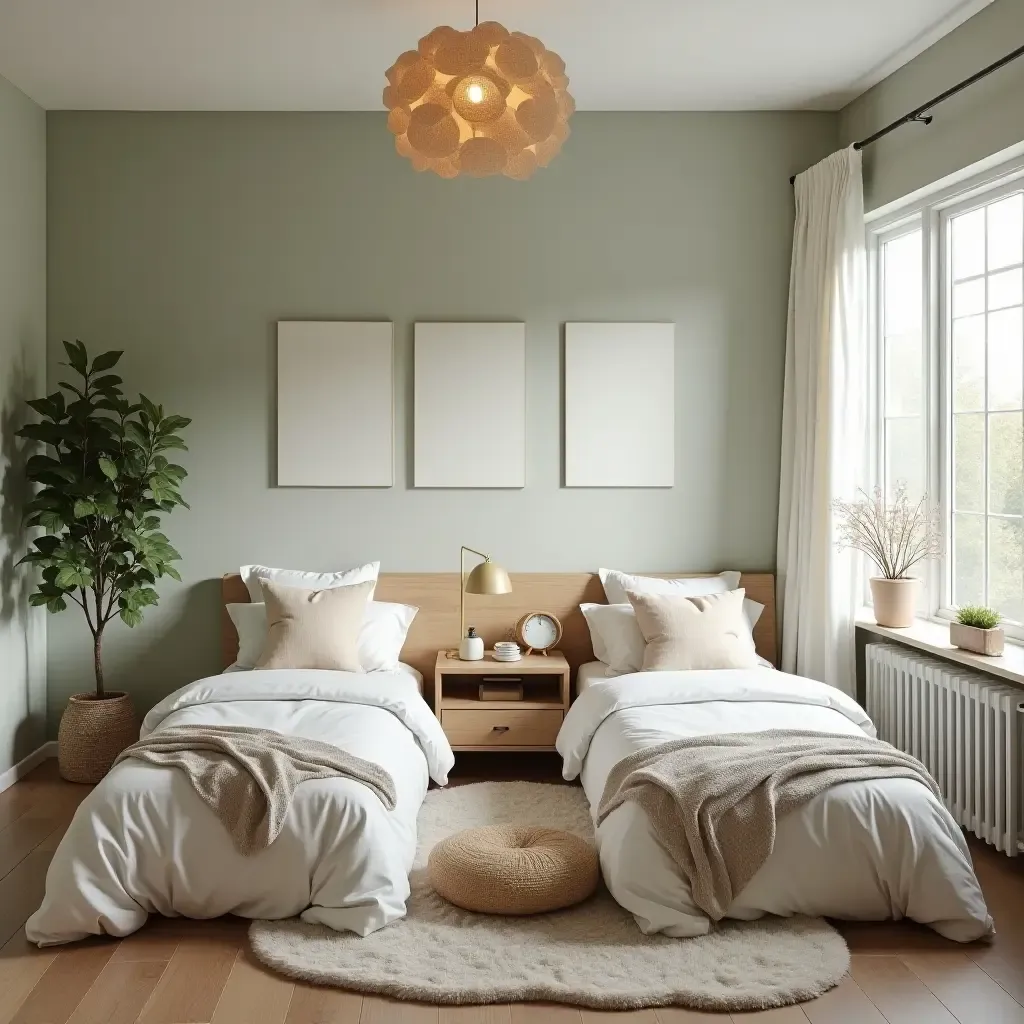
(965, 728)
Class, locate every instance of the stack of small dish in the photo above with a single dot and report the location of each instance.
(506, 650)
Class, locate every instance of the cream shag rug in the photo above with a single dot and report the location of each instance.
(589, 955)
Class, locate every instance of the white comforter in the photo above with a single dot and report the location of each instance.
(143, 842)
(861, 851)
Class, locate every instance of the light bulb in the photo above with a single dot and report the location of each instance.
(475, 93)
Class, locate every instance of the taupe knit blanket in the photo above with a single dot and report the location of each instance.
(714, 801)
(247, 776)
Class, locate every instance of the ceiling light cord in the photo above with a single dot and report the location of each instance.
(478, 12)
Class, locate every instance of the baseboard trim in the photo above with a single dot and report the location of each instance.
(27, 764)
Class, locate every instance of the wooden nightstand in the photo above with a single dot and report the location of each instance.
(528, 724)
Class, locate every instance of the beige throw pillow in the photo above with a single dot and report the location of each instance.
(692, 633)
(313, 628)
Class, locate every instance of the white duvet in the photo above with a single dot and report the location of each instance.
(143, 842)
(861, 851)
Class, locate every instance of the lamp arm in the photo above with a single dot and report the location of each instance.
(462, 586)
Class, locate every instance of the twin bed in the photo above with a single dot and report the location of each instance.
(143, 842)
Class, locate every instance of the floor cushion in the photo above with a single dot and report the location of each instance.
(513, 869)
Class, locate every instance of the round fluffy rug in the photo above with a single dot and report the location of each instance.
(589, 955)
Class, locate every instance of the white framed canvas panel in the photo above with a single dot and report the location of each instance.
(631, 368)
(335, 404)
(469, 420)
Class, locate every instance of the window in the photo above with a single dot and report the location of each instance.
(949, 317)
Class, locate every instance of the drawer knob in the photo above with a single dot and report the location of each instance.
(500, 728)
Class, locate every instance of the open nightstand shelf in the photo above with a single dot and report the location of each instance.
(528, 724)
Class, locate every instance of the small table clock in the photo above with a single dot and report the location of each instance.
(538, 632)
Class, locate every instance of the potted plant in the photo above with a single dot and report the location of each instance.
(103, 485)
(977, 629)
(895, 535)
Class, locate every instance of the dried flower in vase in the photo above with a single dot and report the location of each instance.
(894, 534)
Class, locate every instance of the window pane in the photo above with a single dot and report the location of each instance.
(904, 456)
(1005, 289)
(1005, 359)
(969, 244)
(1006, 486)
(969, 298)
(968, 462)
(902, 285)
(968, 559)
(969, 364)
(903, 375)
(1006, 568)
(1006, 232)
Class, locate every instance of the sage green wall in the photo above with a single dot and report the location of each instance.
(22, 376)
(983, 120)
(182, 238)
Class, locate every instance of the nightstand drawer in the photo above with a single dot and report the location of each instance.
(525, 728)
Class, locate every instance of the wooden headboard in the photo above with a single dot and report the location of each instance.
(437, 624)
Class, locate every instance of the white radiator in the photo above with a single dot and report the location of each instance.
(965, 728)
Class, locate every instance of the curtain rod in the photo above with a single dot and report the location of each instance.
(918, 113)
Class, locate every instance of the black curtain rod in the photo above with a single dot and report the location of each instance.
(918, 113)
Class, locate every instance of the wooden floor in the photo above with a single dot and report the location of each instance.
(180, 972)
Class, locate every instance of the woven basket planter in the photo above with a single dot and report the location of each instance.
(93, 731)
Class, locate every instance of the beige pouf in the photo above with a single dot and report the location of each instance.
(513, 869)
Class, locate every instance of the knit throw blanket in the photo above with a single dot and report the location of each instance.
(247, 776)
(714, 801)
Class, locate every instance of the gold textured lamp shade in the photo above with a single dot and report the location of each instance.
(487, 101)
(488, 578)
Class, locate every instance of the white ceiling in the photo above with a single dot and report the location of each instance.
(332, 54)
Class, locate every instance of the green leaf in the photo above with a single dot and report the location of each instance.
(47, 545)
(174, 423)
(70, 577)
(137, 432)
(72, 387)
(169, 570)
(171, 441)
(131, 617)
(78, 358)
(108, 382)
(105, 360)
(51, 521)
(108, 469)
(56, 604)
(84, 508)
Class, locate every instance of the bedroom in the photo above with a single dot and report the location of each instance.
(177, 185)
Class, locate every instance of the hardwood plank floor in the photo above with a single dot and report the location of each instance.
(176, 971)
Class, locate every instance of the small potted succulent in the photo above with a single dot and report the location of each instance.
(896, 534)
(977, 629)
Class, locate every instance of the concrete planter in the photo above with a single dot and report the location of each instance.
(980, 641)
(894, 601)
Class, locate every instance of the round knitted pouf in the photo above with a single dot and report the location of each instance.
(513, 869)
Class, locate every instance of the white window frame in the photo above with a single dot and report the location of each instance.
(931, 214)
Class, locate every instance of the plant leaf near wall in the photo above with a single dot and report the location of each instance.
(103, 485)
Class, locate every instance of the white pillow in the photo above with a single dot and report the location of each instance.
(618, 642)
(617, 583)
(306, 580)
(616, 637)
(381, 636)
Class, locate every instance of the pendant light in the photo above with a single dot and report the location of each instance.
(487, 101)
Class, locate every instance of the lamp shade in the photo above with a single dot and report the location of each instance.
(487, 101)
(488, 578)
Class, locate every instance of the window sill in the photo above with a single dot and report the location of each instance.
(933, 637)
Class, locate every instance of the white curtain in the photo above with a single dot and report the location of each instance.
(824, 420)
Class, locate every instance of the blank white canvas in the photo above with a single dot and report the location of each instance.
(470, 405)
(619, 405)
(335, 404)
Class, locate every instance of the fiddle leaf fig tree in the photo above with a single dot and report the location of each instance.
(103, 485)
